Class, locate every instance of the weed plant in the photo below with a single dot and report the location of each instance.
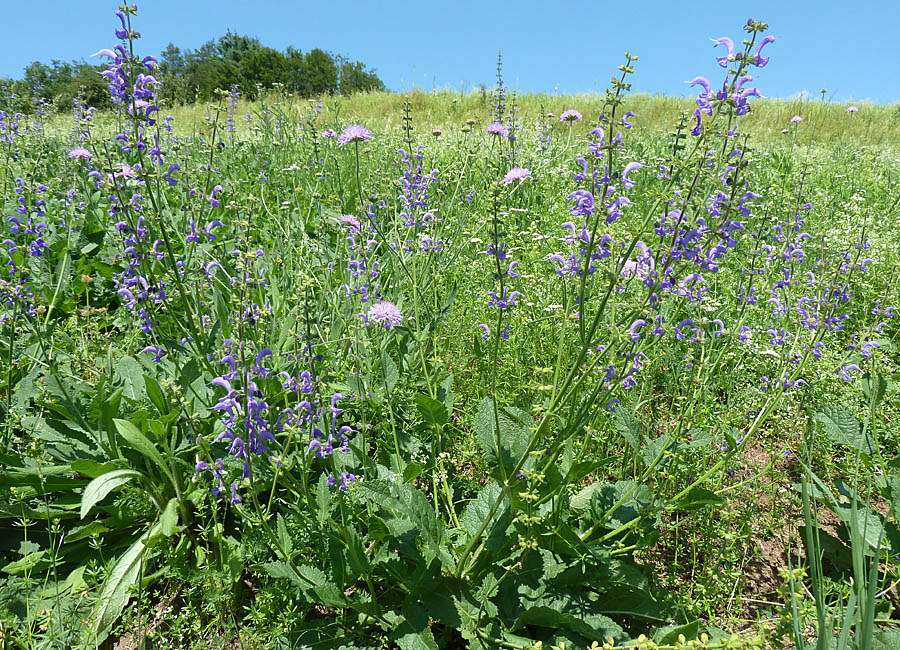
(505, 372)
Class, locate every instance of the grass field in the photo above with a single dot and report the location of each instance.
(444, 371)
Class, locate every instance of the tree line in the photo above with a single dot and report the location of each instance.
(189, 76)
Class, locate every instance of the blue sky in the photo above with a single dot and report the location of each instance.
(548, 46)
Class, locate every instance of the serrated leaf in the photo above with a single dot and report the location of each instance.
(283, 537)
(629, 427)
(407, 504)
(842, 427)
(581, 501)
(634, 499)
(475, 516)
(411, 631)
(390, 373)
(512, 435)
(98, 488)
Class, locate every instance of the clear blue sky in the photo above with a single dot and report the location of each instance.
(847, 47)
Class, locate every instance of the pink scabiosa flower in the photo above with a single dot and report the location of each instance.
(496, 128)
(516, 174)
(385, 313)
(796, 119)
(350, 220)
(354, 133)
(570, 116)
(852, 109)
(328, 133)
(80, 152)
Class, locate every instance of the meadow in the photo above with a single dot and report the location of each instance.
(451, 370)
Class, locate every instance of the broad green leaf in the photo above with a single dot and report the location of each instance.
(843, 428)
(156, 395)
(49, 478)
(581, 501)
(131, 372)
(34, 561)
(168, 521)
(629, 427)
(412, 470)
(407, 504)
(144, 445)
(284, 538)
(475, 516)
(513, 433)
(97, 489)
(91, 468)
(697, 498)
(115, 593)
(874, 387)
(411, 631)
(634, 499)
(324, 502)
(445, 393)
(433, 411)
(390, 374)
(669, 635)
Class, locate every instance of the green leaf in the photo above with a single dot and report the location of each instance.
(168, 521)
(412, 471)
(156, 395)
(97, 489)
(629, 427)
(697, 498)
(409, 508)
(843, 428)
(669, 635)
(432, 411)
(115, 593)
(390, 374)
(476, 513)
(283, 537)
(131, 372)
(513, 434)
(631, 506)
(874, 387)
(445, 393)
(324, 502)
(312, 582)
(144, 445)
(91, 468)
(411, 631)
(581, 501)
